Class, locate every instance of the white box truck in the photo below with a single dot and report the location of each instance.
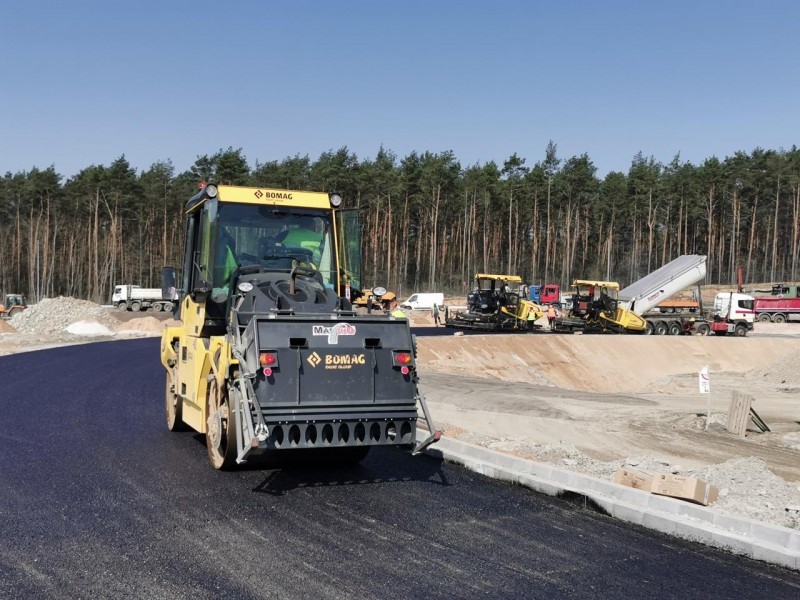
(136, 298)
(423, 301)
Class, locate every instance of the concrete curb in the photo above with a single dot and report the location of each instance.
(761, 541)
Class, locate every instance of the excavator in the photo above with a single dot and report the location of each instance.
(497, 303)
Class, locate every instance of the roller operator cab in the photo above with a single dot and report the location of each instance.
(270, 354)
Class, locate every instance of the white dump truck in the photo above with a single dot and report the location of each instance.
(136, 298)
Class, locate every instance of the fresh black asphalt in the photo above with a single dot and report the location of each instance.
(99, 500)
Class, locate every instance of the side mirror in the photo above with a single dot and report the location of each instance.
(169, 286)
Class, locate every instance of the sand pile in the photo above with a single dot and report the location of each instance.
(89, 328)
(143, 327)
(54, 315)
(784, 370)
(5, 327)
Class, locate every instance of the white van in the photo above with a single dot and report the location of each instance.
(423, 301)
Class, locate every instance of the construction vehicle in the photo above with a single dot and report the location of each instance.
(376, 298)
(593, 308)
(496, 304)
(601, 306)
(270, 355)
(136, 298)
(677, 306)
(733, 314)
(12, 304)
(781, 305)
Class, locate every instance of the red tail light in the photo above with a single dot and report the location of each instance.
(268, 359)
(403, 359)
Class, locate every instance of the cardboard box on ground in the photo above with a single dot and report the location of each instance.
(691, 489)
(641, 480)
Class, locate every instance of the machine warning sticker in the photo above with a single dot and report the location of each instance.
(334, 332)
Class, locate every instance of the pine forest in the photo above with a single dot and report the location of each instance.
(429, 222)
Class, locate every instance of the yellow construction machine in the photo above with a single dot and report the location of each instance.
(12, 304)
(595, 307)
(497, 303)
(270, 355)
(376, 298)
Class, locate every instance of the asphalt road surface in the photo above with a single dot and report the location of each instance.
(99, 500)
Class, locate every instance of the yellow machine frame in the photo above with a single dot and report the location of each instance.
(527, 310)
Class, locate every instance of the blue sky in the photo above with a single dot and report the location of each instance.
(85, 82)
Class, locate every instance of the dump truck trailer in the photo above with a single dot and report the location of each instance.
(270, 354)
(782, 305)
(644, 295)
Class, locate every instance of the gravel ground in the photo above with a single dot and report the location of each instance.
(786, 371)
(746, 486)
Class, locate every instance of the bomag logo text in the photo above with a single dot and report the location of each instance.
(344, 361)
(273, 195)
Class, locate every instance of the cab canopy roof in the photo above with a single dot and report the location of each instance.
(261, 195)
(611, 285)
(514, 278)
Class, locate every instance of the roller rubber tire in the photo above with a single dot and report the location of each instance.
(221, 430)
(174, 408)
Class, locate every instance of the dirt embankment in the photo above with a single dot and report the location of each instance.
(592, 403)
(597, 363)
